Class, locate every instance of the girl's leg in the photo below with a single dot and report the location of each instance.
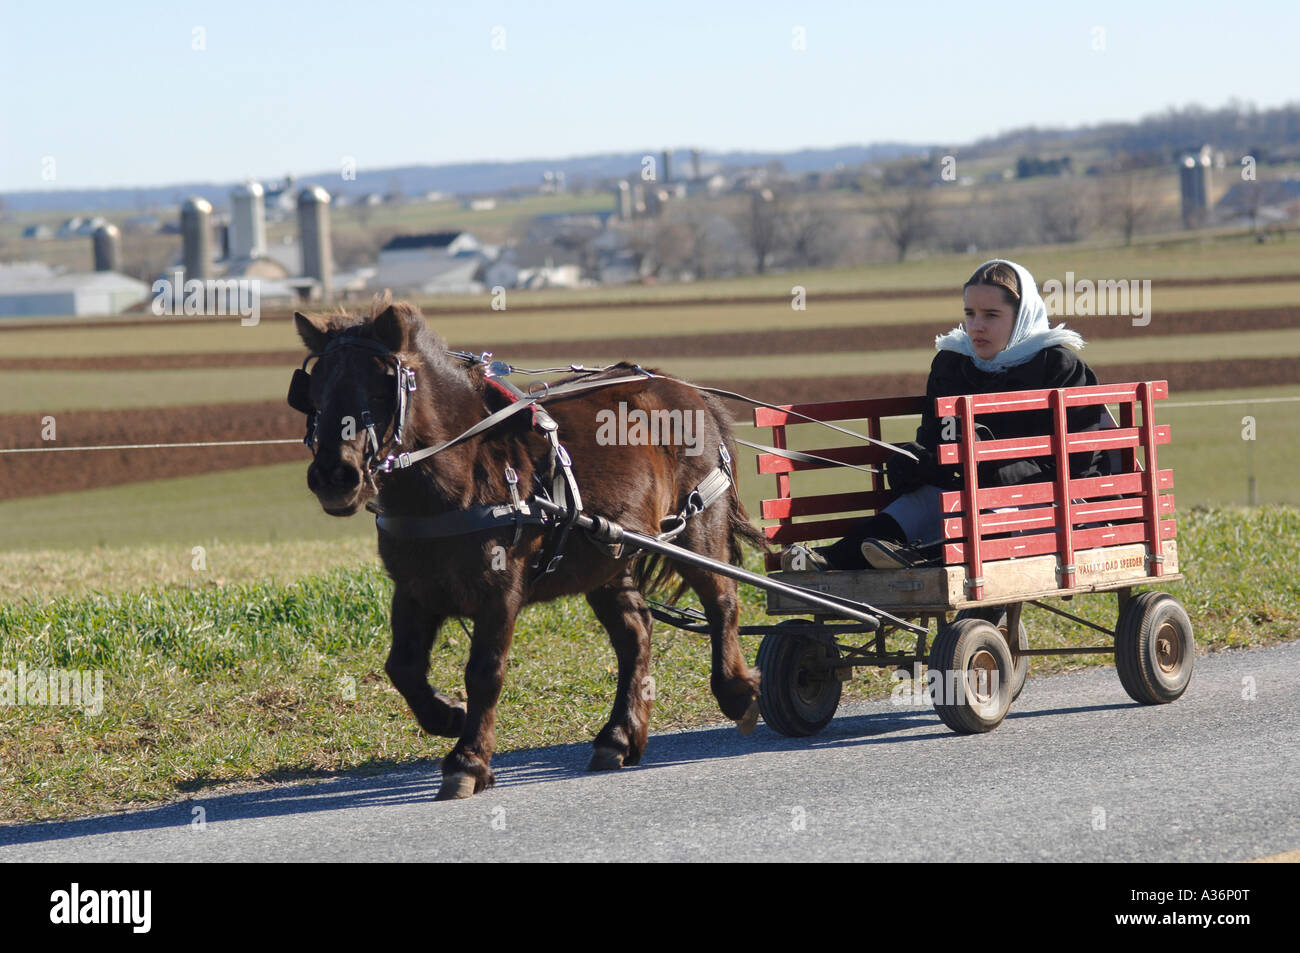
(847, 553)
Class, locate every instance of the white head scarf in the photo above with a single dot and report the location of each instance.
(1031, 332)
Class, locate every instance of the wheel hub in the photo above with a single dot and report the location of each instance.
(982, 675)
(1169, 649)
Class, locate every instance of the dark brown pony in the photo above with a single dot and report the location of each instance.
(467, 576)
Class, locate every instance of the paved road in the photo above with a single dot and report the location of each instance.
(1077, 772)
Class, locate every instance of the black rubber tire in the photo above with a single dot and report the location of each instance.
(1154, 648)
(791, 702)
(998, 616)
(964, 704)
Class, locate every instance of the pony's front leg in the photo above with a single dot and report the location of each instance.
(467, 769)
(414, 631)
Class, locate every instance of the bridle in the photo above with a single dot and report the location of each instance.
(379, 454)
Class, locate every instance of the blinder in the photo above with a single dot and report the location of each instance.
(299, 398)
(300, 392)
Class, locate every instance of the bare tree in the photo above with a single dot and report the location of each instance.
(640, 242)
(908, 221)
(673, 247)
(703, 245)
(1062, 214)
(807, 230)
(761, 226)
(1127, 202)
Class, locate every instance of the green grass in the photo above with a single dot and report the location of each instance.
(257, 504)
(271, 680)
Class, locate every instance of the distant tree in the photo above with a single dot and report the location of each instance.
(761, 228)
(1062, 214)
(807, 231)
(640, 243)
(909, 220)
(673, 246)
(1127, 202)
(703, 244)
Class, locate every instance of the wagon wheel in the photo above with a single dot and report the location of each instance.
(1154, 648)
(998, 616)
(799, 692)
(972, 674)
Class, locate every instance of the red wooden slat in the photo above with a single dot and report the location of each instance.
(839, 410)
(862, 454)
(1123, 533)
(1045, 517)
(1151, 437)
(1027, 447)
(990, 549)
(991, 524)
(1007, 401)
(820, 505)
(969, 501)
(1037, 545)
(785, 533)
(1061, 444)
(1026, 493)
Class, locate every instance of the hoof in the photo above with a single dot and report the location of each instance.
(748, 721)
(456, 786)
(605, 759)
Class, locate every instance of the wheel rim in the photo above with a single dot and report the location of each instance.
(982, 675)
(1169, 648)
(810, 686)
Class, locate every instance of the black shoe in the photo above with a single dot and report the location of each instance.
(887, 554)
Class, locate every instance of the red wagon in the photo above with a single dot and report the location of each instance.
(1003, 547)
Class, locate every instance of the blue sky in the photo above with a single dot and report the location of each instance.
(117, 94)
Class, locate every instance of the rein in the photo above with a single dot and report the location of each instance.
(385, 456)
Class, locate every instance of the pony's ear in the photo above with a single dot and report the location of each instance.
(390, 328)
(312, 334)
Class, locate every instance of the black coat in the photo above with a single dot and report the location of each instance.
(952, 374)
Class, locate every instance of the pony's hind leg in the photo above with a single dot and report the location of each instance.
(621, 609)
(735, 685)
(408, 667)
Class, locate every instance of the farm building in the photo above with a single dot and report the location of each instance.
(433, 263)
(100, 292)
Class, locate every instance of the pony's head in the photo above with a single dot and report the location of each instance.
(358, 397)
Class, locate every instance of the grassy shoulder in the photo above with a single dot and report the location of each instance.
(275, 678)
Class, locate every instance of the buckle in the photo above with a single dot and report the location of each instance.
(394, 461)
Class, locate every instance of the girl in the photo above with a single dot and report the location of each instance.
(1006, 343)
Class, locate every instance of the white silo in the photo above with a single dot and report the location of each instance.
(247, 221)
(196, 238)
(108, 248)
(314, 236)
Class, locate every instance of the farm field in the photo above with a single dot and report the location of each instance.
(477, 323)
(48, 391)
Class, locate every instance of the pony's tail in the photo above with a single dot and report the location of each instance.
(654, 570)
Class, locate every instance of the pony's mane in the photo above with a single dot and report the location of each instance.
(428, 344)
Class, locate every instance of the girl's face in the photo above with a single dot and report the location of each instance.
(989, 319)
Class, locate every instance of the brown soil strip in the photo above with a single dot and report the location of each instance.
(36, 474)
(880, 337)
